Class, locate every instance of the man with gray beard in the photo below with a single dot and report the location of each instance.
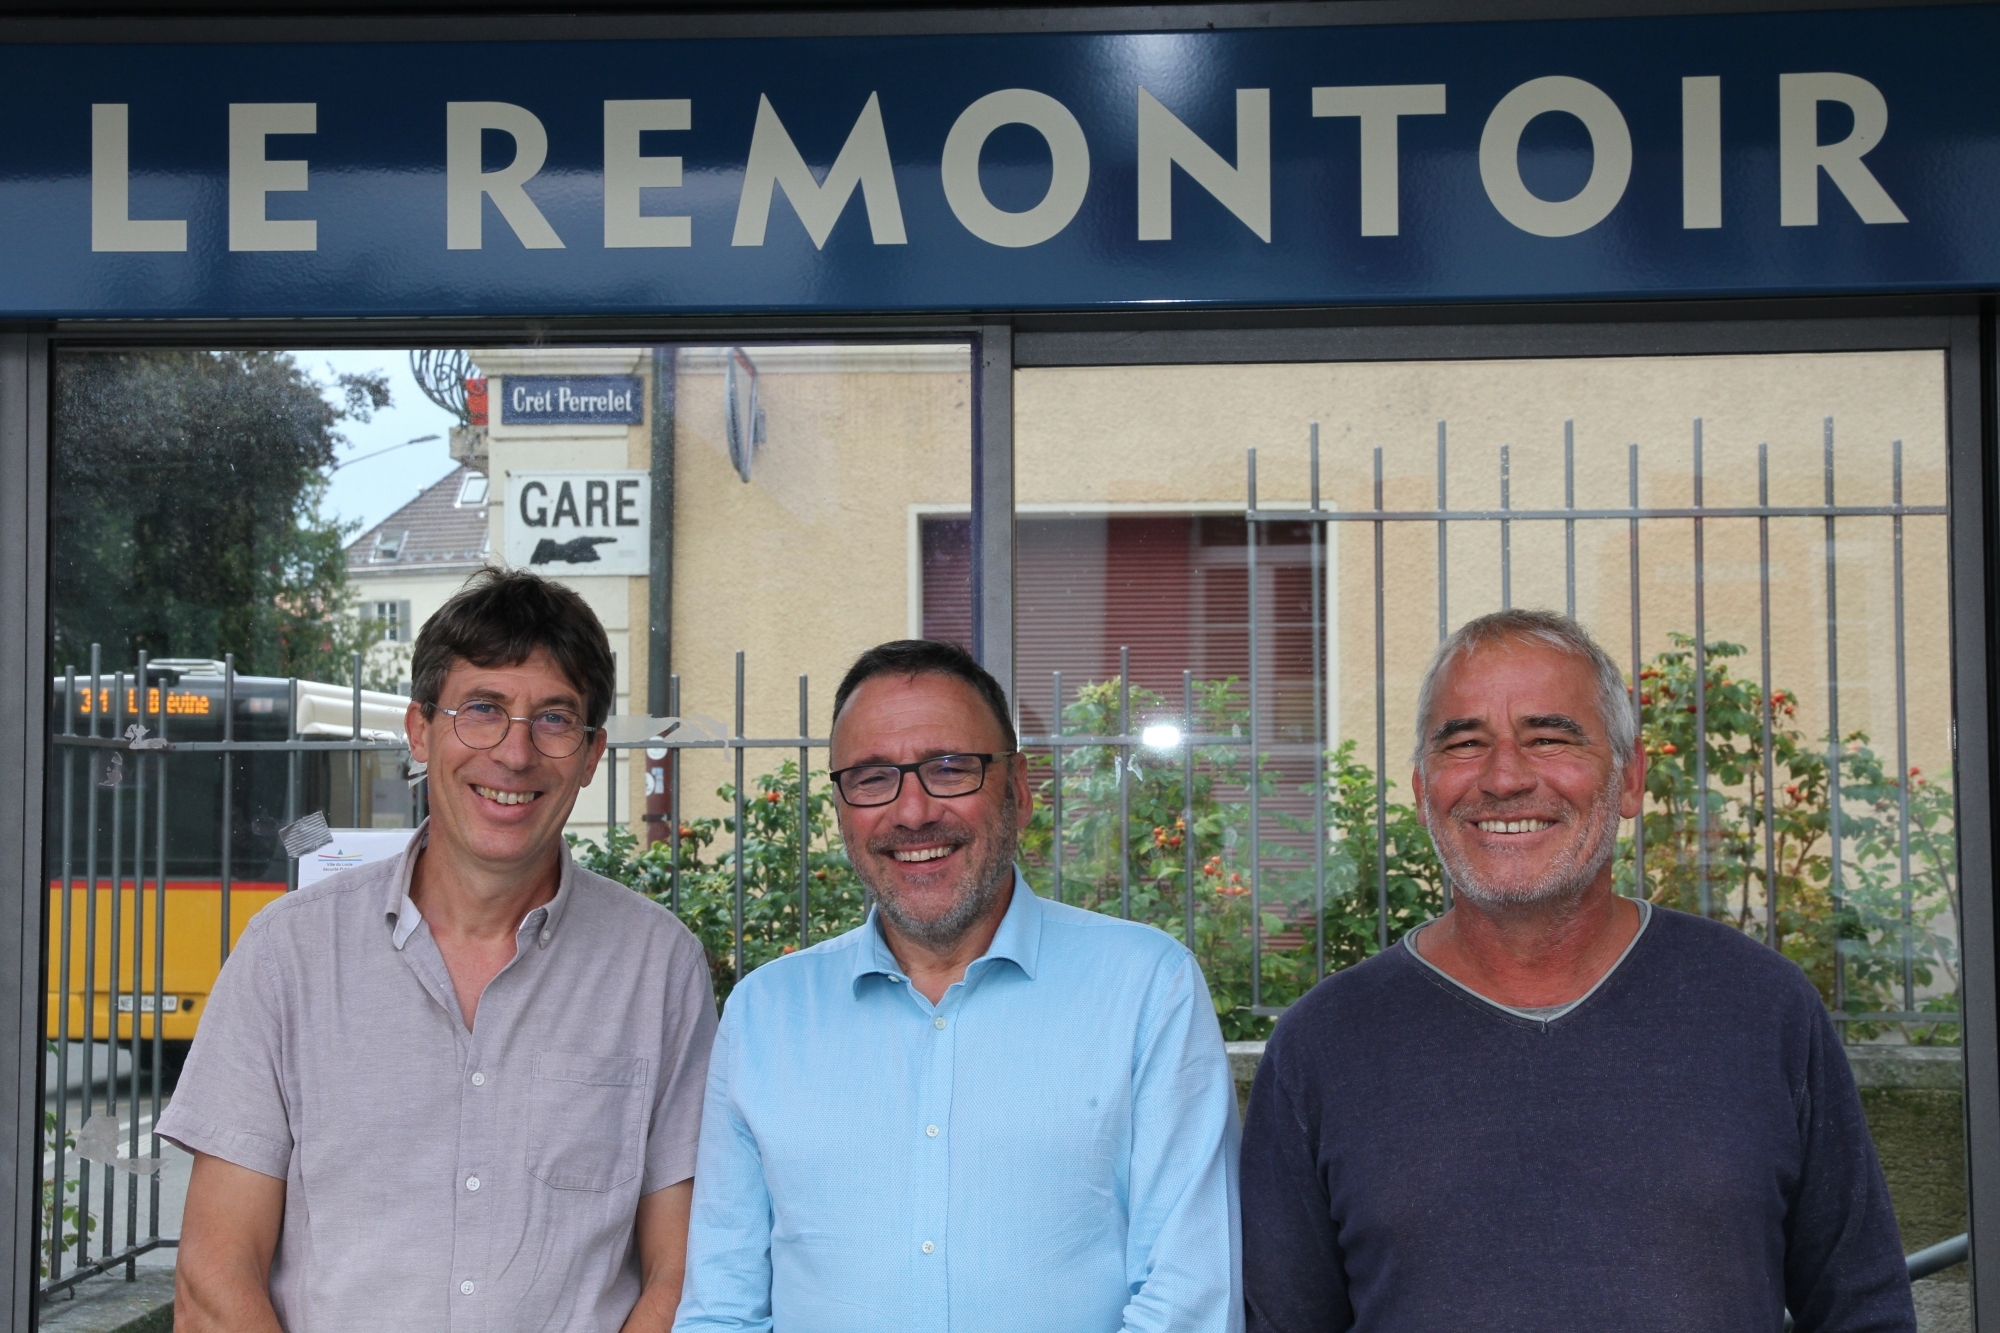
(1554, 1107)
(980, 1111)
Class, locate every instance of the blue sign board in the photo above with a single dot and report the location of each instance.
(570, 400)
(1847, 151)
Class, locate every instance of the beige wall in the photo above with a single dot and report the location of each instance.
(1137, 435)
(808, 562)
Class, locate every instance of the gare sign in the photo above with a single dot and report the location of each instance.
(1761, 153)
(578, 523)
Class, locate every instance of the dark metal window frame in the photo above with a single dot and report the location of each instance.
(1963, 328)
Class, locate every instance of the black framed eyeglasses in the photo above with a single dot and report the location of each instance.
(556, 732)
(945, 776)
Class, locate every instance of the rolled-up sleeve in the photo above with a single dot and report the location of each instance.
(729, 1234)
(1184, 1245)
(231, 1101)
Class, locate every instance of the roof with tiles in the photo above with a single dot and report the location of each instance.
(443, 528)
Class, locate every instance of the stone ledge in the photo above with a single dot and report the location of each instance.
(110, 1304)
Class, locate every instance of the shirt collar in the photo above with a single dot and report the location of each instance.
(404, 918)
(1018, 940)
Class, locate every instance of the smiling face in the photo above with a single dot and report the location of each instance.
(1518, 785)
(937, 866)
(503, 807)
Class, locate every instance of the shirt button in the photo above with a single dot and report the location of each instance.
(545, 937)
(938, 1022)
(465, 1288)
(928, 1247)
(472, 1183)
(479, 1080)
(931, 1130)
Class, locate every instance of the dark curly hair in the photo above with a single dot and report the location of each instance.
(499, 618)
(927, 657)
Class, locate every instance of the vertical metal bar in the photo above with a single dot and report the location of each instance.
(1833, 829)
(1253, 536)
(1444, 563)
(1639, 886)
(1320, 716)
(736, 913)
(1125, 784)
(159, 958)
(1506, 528)
(992, 496)
(109, 1218)
(805, 815)
(611, 819)
(60, 1145)
(1903, 776)
(228, 797)
(98, 701)
(142, 694)
(293, 759)
(1773, 933)
(1700, 691)
(1187, 802)
(1569, 524)
(1381, 734)
(354, 755)
(1056, 800)
(674, 801)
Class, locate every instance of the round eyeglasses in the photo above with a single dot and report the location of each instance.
(555, 732)
(946, 776)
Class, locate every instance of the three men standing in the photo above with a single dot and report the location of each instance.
(1556, 1108)
(460, 1089)
(979, 1110)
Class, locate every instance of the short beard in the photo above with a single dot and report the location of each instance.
(985, 882)
(1566, 880)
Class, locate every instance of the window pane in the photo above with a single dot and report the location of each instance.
(296, 515)
(1291, 647)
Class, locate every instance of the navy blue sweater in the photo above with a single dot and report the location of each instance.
(1682, 1151)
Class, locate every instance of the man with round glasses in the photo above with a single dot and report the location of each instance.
(980, 1110)
(460, 1088)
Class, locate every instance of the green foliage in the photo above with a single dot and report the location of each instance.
(185, 490)
(1156, 852)
(707, 899)
(1849, 937)
(1851, 943)
(62, 1213)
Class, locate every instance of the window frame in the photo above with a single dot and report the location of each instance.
(1963, 327)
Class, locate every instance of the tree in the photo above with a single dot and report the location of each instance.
(185, 491)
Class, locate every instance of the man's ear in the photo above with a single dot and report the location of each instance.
(1417, 792)
(1632, 783)
(417, 727)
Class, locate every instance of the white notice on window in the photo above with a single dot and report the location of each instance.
(352, 847)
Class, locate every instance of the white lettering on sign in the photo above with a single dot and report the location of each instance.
(1801, 156)
(579, 523)
(112, 226)
(1244, 189)
(253, 176)
(1377, 108)
(1610, 156)
(465, 184)
(774, 162)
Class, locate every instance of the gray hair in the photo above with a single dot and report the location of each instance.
(1614, 699)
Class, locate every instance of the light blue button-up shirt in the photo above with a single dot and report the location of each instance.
(1050, 1147)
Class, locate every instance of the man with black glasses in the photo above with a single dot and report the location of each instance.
(980, 1110)
(459, 1089)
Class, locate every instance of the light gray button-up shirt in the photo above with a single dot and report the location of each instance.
(440, 1178)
